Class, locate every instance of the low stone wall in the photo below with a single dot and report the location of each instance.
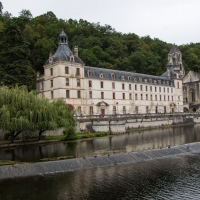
(45, 168)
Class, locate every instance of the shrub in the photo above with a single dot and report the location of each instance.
(70, 133)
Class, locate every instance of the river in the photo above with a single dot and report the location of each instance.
(176, 177)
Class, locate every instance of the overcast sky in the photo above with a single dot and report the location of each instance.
(173, 21)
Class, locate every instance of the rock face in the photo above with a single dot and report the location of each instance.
(45, 168)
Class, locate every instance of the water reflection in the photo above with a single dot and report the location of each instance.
(136, 141)
(170, 178)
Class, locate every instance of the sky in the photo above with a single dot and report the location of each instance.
(172, 21)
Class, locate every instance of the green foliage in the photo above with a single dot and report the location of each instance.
(70, 133)
(26, 43)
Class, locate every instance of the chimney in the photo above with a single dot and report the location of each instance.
(76, 51)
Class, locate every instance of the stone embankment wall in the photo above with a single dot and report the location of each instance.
(134, 122)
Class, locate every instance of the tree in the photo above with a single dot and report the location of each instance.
(1, 8)
(26, 13)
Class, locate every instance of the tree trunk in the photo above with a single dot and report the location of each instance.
(40, 134)
(17, 134)
(12, 137)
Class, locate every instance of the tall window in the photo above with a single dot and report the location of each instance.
(141, 87)
(135, 87)
(146, 96)
(130, 96)
(156, 97)
(155, 89)
(78, 71)
(67, 94)
(101, 84)
(151, 97)
(147, 109)
(124, 110)
(141, 96)
(171, 90)
(66, 70)
(67, 81)
(159, 89)
(78, 94)
(164, 97)
(164, 90)
(91, 110)
(146, 88)
(113, 85)
(42, 86)
(102, 95)
(113, 95)
(123, 95)
(135, 96)
(168, 90)
(160, 97)
(136, 109)
(129, 86)
(51, 94)
(151, 88)
(178, 98)
(78, 82)
(51, 83)
(90, 83)
(51, 71)
(114, 110)
(122, 86)
(90, 94)
(177, 84)
(172, 98)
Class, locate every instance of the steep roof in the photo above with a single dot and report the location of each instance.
(174, 49)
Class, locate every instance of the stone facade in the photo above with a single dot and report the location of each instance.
(99, 91)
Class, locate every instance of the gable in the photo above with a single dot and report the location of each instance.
(191, 77)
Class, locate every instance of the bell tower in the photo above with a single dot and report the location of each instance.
(175, 61)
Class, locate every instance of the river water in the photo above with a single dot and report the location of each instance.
(176, 177)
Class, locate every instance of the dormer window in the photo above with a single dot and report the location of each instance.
(122, 77)
(71, 58)
(150, 80)
(129, 78)
(113, 76)
(101, 75)
(135, 79)
(89, 73)
(140, 79)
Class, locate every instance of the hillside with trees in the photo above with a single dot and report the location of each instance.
(26, 41)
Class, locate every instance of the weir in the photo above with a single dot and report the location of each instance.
(51, 167)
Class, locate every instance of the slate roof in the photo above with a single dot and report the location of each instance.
(174, 49)
(134, 77)
(63, 51)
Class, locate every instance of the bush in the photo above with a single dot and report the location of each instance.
(70, 133)
(7, 135)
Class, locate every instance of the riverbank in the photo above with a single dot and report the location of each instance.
(47, 168)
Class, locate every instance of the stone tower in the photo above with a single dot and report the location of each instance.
(175, 61)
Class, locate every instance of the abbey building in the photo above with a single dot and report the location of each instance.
(99, 91)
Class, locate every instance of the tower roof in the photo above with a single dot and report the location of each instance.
(174, 49)
(63, 51)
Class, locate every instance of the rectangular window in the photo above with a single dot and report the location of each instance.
(168, 90)
(171, 90)
(114, 110)
(42, 86)
(151, 98)
(78, 82)
(172, 98)
(67, 94)
(51, 83)
(147, 109)
(164, 90)
(160, 98)
(178, 98)
(141, 96)
(113, 95)
(122, 86)
(130, 96)
(177, 84)
(91, 110)
(156, 97)
(102, 95)
(90, 94)
(136, 109)
(123, 95)
(78, 94)
(51, 71)
(90, 83)
(146, 96)
(129, 86)
(155, 89)
(67, 81)
(146, 88)
(66, 70)
(113, 85)
(51, 94)
(159, 89)
(135, 87)
(135, 96)
(141, 87)
(164, 97)
(77, 71)
(124, 110)
(151, 88)
(168, 98)
(101, 84)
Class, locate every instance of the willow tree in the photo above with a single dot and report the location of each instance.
(21, 110)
